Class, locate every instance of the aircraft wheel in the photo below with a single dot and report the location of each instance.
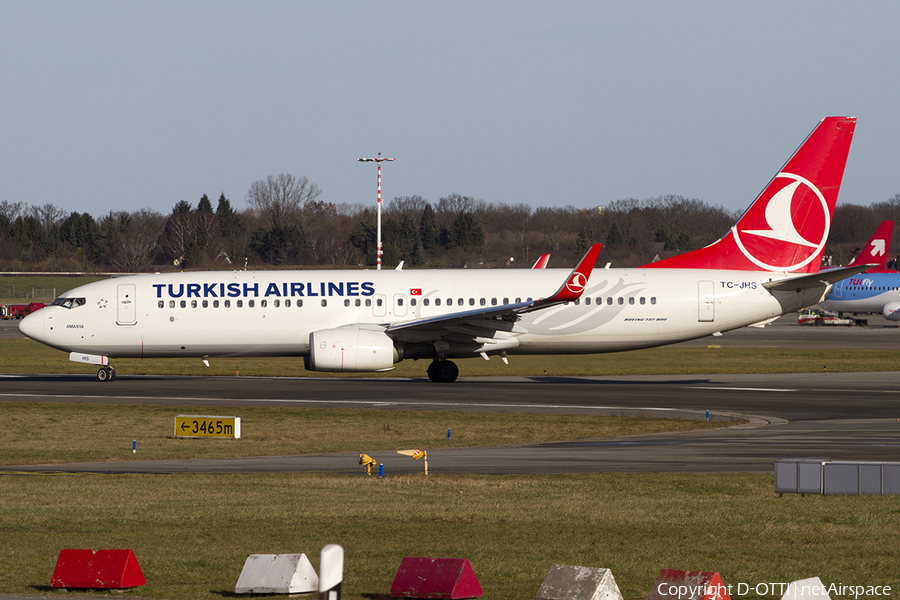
(106, 374)
(443, 371)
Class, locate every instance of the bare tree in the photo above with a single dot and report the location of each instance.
(279, 201)
(11, 210)
(49, 216)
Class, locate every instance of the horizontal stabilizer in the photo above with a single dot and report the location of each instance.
(814, 280)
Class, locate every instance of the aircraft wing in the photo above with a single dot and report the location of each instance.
(815, 280)
(492, 325)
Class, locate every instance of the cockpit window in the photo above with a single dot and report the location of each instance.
(69, 302)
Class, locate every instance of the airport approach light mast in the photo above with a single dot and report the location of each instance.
(378, 160)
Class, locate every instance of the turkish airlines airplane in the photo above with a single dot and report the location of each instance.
(765, 265)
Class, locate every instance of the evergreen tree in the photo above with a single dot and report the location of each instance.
(615, 235)
(428, 229)
(181, 208)
(226, 213)
(204, 205)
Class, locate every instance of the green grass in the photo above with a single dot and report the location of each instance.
(28, 356)
(18, 288)
(192, 533)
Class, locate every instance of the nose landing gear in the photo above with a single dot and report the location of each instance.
(106, 374)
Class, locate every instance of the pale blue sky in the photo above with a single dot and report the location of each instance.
(125, 105)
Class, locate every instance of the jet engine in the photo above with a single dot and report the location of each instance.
(891, 311)
(351, 349)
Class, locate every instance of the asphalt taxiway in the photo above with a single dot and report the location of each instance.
(839, 416)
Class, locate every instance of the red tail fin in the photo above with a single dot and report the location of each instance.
(786, 227)
(876, 251)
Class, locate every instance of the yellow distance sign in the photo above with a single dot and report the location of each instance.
(197, 426)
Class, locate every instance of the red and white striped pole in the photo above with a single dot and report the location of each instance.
(378, 250)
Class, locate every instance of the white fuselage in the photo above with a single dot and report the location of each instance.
(272, 313)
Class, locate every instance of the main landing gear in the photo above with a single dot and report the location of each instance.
(106, 374)
(443, 371)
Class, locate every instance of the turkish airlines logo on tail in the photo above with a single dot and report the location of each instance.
(787, 230)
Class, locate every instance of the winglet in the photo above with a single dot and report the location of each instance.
(574, 286)
(541, 263)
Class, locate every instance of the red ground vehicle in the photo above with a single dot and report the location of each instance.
(17, 311)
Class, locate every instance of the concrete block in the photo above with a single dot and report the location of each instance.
(806, 589)
(673, 584)
(567, 582)
(89, 569)
(443, 578)
(277, 574)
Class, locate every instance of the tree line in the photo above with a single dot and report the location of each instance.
(286, 223)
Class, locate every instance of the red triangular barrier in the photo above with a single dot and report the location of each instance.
(443, 578)
(672, 584)
(97, 569)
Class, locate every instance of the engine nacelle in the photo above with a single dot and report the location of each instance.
(891, 311)
(351, 349)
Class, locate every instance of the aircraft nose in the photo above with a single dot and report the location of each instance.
(33, 325)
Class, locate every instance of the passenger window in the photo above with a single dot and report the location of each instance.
(215, 304)
(277, 302)
(206, 304)
(299, 302)
(412, 301)
(287, 303)
(368, 302)
(652, 299)
(399, 301)
(324, 302)
(161, 304)
(482, 301)
(171, 304)
(184, 304)
(643, 300)
(228, 304)
(587, 301)
(193, 304)
(437, 301)
(425, 302)
(262, 303)
(493, 302)
(347, 302)
(357, 302)
(609, 301)
(621, 301)
(471, 301)
(378, 302)
(251, 303)
(631, 300)
(239, 304)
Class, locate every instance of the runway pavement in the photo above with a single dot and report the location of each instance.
(847, 416)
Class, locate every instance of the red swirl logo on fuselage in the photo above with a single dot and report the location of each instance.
(576, 283)
(787, 230)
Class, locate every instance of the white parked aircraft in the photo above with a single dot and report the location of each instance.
(765, 265)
